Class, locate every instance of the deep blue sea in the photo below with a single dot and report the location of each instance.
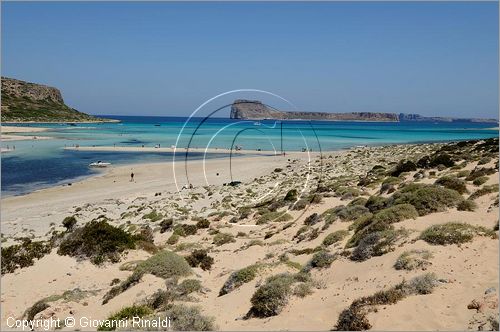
(36, 164)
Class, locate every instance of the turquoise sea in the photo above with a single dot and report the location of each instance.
(36, 164)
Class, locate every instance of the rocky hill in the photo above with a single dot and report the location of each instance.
(256, 110)
(29, 102)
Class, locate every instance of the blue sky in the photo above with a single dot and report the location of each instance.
(164, 58)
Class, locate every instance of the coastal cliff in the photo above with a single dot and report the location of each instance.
(256, 110)
(29, 102)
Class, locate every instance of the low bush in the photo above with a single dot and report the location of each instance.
(270, 298)
(111, 323)
(335, 237)
(480, 181)
(291, 195)
(402, 167)
(69, 222)
(23, 255)
(274, 216)
(441, 159)
(479, 172)
(377, 244)
(413, 259)
(165, 264)
(98, 241)
(427, 198)
(223, 238)
(467, 205)
(454, 183)
(238, 278)
(131, 280)
(355, 317)
(189, 286)
(184, 318)
(376, 203)
(453, 233)
(396, 213)
(200, 258)
(312, 219)
(349, 213)
(485, 190)
(322, 259)
(166, 225)
(153, 216)
(173, 239)
(202, 223)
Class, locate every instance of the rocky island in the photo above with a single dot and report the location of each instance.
(256, 110)
(29, 102)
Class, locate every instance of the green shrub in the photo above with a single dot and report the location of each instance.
(348, 213)
(173, 239)
(306, 251)
(69, 222)
(484, 160)
(391, 180)
(485, 190)
(274, 216)
(98, 241)
(153, 216)
(353, 319)
(200, 258)
(131, 280)
(480, 181)
(467, 205)
(377, 244)
(402, 167)
(166, 225)
(302, 290)
(223, 238)
(413, 259)
(23, 255)
(441, 159)
(184, 318)
(463, 173)
(335, 237)
(126, 313)
(322, 259)
(376, 203)
(427, 198)
(189, 286)
(238, 278)
(291, 195)
(396, 213)
(203, 223)
(312, 219)
(270, 298)
(358, 201)
(453, 233)
(452, 183)
(479, 172)
(36, 308)
(165, 264)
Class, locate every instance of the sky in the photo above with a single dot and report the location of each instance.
(167, 58)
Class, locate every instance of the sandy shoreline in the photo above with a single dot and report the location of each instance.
(7, 132)
(179, 151)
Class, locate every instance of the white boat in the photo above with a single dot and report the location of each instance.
(99, 164)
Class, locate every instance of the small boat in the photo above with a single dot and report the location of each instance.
(257, 123)
(157, 125)
(99, 164)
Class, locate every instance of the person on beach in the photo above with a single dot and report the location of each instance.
(132, 177)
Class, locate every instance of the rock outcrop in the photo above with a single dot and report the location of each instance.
(29, 102)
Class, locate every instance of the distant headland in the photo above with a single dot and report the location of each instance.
(30, 102)
(256, 110)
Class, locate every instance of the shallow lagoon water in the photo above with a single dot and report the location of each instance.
(37, 164)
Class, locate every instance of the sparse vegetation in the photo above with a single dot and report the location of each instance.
(240, 277)
(413, 259)
(427, 198)
(454, 183)
(335, 237)
(200, 258)
(223, 238)
(165, 264)
(453, 233)
(98, 241)
(23, 255)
